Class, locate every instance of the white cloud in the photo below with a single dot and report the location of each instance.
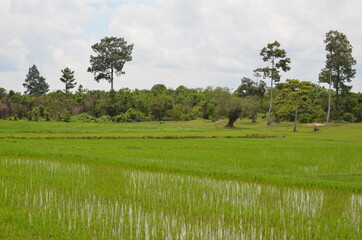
(190, 42)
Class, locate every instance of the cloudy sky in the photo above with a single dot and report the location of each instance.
(196, 43)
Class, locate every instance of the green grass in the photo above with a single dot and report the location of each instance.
(179, 180)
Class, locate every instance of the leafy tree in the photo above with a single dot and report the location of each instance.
(249, 87)
(277, 57)
(68, 79)
(227, 105)
(158, 88)
(357, 111)
(251, 105)
(339, 67)
(111, 55)
(160, 106)
(34, 83)
(253, 94)
(297, 95)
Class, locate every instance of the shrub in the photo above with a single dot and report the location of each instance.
(63, 116)
(34, 114)
(187, 117)
(305, 118)
(135, 116)
(104, 119)
(83, 117)
(348, 117)
(14, 118)
(121, 118)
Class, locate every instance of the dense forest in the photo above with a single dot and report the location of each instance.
(292, 100)
(250, 100)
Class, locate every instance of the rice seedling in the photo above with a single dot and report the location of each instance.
(67, 200)
(187, 181)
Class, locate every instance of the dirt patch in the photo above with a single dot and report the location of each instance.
(316, 124)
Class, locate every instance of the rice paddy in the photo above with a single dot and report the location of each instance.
(60, 185)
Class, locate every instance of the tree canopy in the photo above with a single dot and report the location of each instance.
(111, 55)
(68, 79)
(34, 83)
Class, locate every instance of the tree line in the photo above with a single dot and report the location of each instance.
(293, 100)
(306, 100)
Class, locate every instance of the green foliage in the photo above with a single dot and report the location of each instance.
(68, 79)
(305, 118)
(34, 114)
(160, 106)
(34, 83)
(158, 89)
(135, 116)
(122, 117)
(348, 117)
(14, 118)
(111, 55)
(64, 116)
(103, 119)
(83, 117)
(295, 94)
(277, 57)
(227, 105)
(209, 111)
(339, 66)
(253, 95)
(249, 87)
(251, 105)
(181, 104)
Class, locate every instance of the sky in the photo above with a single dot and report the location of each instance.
(195, 43)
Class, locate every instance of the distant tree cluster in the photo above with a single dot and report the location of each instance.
(111, 55)
(293, 100)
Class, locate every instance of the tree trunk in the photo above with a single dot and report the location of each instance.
(111, 78)
(337, 113)
(295, 119)
(271, 93)
(329, 102)
(254, 117)
(270, 102)
(231, 122)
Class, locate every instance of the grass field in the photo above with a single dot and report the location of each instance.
(179, 180)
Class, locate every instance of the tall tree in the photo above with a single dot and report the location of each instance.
(34, 83)
(277, 57)
(339, 67)
(68, 79)
(111, 55)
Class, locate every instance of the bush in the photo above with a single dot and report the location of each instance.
(135, 116)
(104, 119)
(187, 117)
(34, 114)
(64, 116)
(120, 118)
(14, 118)
(348, 117)
(305, 118)
(83, 117)
(47, 116)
